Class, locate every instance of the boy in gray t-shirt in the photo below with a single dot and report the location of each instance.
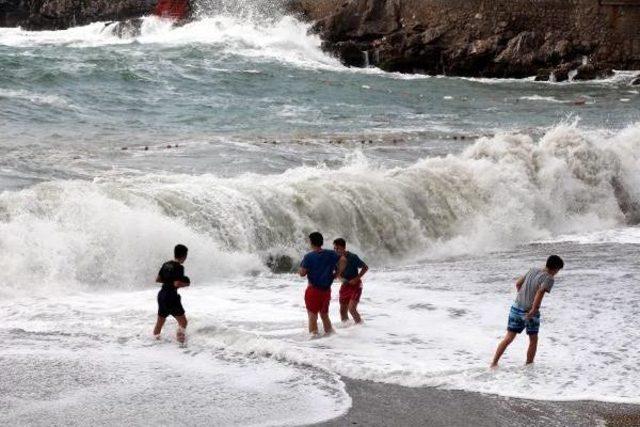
(524, 312)
(534, 280)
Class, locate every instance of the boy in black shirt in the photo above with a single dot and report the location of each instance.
(172, 277)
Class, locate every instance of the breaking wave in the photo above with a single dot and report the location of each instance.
(233, 31)
(500, 192)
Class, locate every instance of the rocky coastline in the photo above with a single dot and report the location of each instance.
(551, 39)
(555, 40)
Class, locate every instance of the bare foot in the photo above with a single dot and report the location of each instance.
(157, 337)
(329, 332)
(181, 337)
(493, 366)
(314, 336)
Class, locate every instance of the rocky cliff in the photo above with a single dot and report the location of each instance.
(60, 14)
(557, 39)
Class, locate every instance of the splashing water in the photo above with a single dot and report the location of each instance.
(236, 135)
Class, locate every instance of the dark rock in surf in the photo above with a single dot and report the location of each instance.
(636, 81)
(125, 29)
(591, 72)
(348, 53)
(62, 14)
(280, 264)
(13, 12)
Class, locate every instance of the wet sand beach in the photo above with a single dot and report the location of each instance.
(378, 404)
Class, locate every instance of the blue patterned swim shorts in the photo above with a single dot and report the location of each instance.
(517, 322)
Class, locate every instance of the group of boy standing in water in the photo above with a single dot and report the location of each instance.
(322, 267)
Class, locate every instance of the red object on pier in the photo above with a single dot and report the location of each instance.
(174, 9)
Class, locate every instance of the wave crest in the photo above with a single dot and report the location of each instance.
(500, 192)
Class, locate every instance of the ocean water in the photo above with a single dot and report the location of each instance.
(449, 188)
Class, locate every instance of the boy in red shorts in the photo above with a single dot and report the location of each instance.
(351, 278)
(321, 267)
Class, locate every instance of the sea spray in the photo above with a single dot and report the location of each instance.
(270, 139)
(282, 39)
(500, 192)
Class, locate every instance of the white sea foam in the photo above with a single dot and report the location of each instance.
(37, 98)
(500, 192)
(284, 39)
(542, 98)
(619, 77)
(579, 100)
(626, 235)
(428, 325)
(438, 325)
(81, 360)
(280, 38)
(83, 36)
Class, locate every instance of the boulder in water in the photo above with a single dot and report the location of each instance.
(125, 29)
(592, 72)
(349, 53)
(280, 263)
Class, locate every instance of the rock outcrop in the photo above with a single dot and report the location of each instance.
(549, 39)
(61, 14)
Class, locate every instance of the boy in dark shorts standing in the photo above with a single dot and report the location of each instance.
(524, 312)
(321, 267)
(351, 288)
(172, 277)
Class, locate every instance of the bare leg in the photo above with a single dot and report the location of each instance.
(533, 347)
(353, 309)
(159, 324)
(508, 339)
(344, 310)
(313, 323)
(182, 326)
(326, 323)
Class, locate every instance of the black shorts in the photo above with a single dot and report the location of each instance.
(169, 304)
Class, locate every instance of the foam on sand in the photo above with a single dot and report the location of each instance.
(94, 364)
(436, 326)
(435, 323)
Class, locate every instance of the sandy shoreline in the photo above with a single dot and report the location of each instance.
(377, 404)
